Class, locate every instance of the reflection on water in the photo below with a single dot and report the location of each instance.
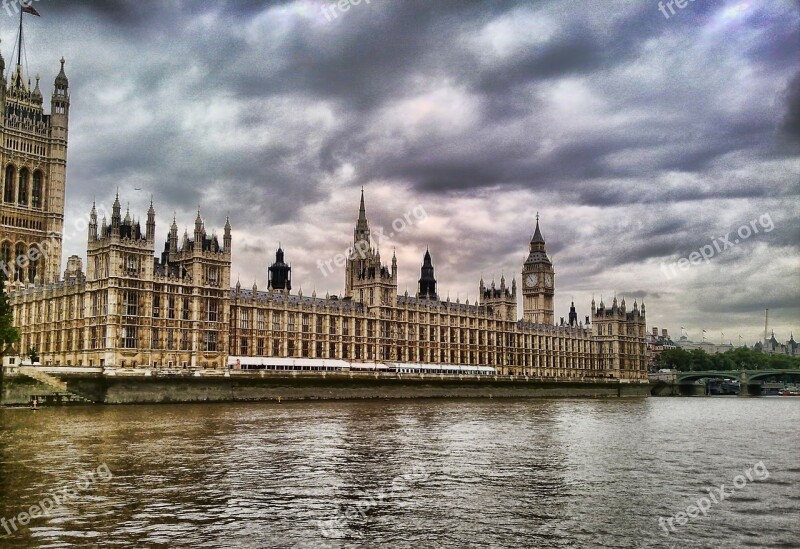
(536, 473)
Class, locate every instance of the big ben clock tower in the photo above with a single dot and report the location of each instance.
(538, 282)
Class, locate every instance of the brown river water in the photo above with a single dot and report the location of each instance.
(413, 473)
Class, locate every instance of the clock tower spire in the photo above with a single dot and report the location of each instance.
(538, 282)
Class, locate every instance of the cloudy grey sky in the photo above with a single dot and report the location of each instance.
(639, 138)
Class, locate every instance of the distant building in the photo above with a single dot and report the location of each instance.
(773, 347)
(711, 348)
(657, 344)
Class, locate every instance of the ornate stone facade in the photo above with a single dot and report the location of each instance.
(133, 310)
(33, 163)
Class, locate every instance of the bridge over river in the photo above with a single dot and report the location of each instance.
(751, 382)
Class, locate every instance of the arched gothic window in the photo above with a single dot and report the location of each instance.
(5, 254)
(10, 188)
(19, 270)
(22, 196)
(34, 254)
(36, 190)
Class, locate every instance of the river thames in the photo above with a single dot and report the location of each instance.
(428, 473)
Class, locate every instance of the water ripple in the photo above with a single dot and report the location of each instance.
(547, 473)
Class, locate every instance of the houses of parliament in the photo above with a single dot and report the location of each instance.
(128, 307)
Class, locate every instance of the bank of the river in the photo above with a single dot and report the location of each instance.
(261, 386)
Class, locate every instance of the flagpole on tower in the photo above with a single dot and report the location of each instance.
(24, 8)
(19, 46)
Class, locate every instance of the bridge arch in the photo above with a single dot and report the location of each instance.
(694, 376)
(761, 374)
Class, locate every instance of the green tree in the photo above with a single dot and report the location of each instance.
(33, 354)
(701, 362)
(8, 333)
(742, 358)
(723, 362)
(674, 358)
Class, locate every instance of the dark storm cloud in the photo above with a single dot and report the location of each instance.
(120, 13)
(791, 121)
(573, 53)
(780, 51)
(365, 62)
(145, 15)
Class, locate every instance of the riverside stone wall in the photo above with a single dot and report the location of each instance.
(127, 389)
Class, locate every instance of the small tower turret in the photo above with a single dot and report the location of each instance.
(116, 215)
(198, 232)
(427, 280)
(151, 223)
(93, 223)
(173, 239)
(499, 299)
(59, 102)
(227, 238)
(280, 273)
(36, 95)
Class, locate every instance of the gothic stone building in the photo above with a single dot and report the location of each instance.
(33, 163)
(131, 309)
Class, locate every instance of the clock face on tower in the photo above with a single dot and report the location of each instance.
(531, 280)
(548, 281)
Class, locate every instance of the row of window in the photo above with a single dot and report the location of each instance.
(25, 146)
(173, 306)
(261, 347)
(21, 221)
(23, 189)
(68, 340)
(22, 262)
(629, 330)
(131, 337)
(258, 318)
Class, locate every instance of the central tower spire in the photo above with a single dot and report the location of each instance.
(362, 227)
(366, 279)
